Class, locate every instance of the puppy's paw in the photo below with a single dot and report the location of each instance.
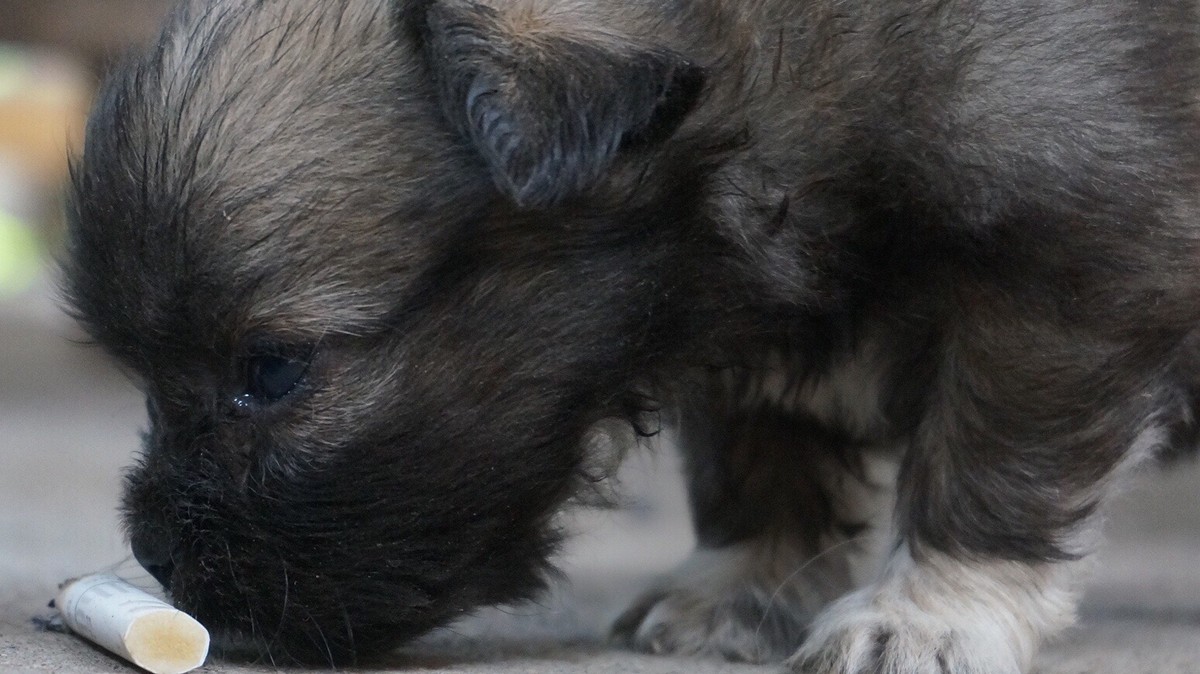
(859, 635)
(736, 603)
(938, 618)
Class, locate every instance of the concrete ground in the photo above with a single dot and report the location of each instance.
(68, 424)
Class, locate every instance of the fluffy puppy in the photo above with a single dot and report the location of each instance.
(381, 266)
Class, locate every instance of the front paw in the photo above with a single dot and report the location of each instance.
(940, 617)
(730, 603)
(859, 636)
(742, 626)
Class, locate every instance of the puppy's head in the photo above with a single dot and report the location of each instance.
(378, 268)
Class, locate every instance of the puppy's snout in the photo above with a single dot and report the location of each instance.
(153, 552)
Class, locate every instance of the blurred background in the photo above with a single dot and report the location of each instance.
(67, 420)
(69, 423)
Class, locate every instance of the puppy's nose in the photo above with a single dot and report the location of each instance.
(154, 554)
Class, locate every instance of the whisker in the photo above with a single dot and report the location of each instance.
(349, 630)
(324, 641)
(274, 640)
(800, 569)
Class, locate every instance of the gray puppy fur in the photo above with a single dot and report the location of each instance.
(380, 266)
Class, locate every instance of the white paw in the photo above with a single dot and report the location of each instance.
(939, 617)
(859, 635)
(735, 603)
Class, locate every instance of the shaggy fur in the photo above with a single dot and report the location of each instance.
(382, 266)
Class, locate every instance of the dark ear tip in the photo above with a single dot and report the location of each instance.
(412, 9)
(412, 17)
(685, 83)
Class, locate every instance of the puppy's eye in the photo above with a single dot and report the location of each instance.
(270, 376)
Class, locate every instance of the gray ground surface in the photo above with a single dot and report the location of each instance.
(68, 424)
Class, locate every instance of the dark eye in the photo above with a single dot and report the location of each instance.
(272, 375)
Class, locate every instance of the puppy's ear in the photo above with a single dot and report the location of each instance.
(548, 109)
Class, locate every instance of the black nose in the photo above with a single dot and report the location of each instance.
(154, 554)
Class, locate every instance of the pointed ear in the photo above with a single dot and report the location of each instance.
(548, 110)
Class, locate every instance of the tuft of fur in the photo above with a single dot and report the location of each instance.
(382, 266)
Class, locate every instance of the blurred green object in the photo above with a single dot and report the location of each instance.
(14, 67)
(20, 255)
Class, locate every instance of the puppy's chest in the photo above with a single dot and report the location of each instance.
(850, 392)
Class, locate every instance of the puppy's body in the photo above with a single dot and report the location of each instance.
(382, 267)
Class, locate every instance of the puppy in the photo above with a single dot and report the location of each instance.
(381, 267)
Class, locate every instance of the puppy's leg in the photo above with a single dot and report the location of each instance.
(779, 519)
(1027, 422)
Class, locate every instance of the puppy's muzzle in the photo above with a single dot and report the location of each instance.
(154, 553)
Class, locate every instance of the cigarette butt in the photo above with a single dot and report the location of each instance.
(136, 626)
